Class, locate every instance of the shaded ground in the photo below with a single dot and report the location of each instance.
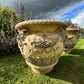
(69, 70)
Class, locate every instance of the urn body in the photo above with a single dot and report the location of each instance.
(41, 45)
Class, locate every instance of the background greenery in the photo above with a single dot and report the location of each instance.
(8, 20)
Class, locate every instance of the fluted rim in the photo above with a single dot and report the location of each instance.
(72, 29)
(40, 21)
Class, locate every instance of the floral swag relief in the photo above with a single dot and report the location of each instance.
(41, 48)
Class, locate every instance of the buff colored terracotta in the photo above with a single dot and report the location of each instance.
(72, 38)
(41, 43)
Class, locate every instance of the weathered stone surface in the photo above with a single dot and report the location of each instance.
(41, 43)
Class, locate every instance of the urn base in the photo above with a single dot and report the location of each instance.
(67, 51)
(42, 69)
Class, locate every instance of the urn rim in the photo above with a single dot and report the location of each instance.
(21, 25)
(72, 29)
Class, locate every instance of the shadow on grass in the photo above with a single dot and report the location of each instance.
(78, 52)
(70, 68)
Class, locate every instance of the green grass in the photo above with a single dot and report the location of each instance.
(69, 70)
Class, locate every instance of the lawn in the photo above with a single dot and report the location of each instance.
(69, 70)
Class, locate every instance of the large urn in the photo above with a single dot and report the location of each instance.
(71, 41)
(41, 43)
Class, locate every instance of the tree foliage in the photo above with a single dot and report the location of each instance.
(72, 25)
(5, 16)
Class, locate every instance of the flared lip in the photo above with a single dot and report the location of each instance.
(21, 25)
(72, 29)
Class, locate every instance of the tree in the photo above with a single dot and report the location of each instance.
(72, 25)
(22, 13)
(5, 16)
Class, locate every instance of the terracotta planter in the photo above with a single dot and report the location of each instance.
(72, 38)
(41, 43)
